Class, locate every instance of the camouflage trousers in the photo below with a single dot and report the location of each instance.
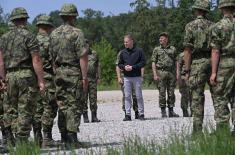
(46, 107)
(199, 76)
(134, 99)
(185, 94)
(224, 91)
(92, 95)
(68, 95)
(166, 84)
(19, 105)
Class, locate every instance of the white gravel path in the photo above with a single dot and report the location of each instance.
(112, 130)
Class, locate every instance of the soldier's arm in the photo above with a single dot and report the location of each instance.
(99, 71)
(177, 70)
(187, 59)
(215, 56)
(2, 69)
(154, 68)
(154, 59)
(84, 64)
(118, 71)
(37, 65)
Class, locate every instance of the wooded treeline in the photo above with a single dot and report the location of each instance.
(145, 23)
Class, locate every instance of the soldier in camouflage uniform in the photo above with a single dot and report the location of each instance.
(120, 81)
(93, 74)
(20, 60)
(197, 59)
(10, 27)
(46, 104)
(183, 86)
(164, 71)
(223, 64)
(67, 46)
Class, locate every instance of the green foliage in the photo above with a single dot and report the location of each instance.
(107, 57)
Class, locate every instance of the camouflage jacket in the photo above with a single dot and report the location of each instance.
(67, 45)
(223, 36)
(17, 46)
(93, 64)
(43, 41)
(164, 58)
(197, 35)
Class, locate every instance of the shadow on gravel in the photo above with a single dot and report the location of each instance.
(154, 118)
(85, 145)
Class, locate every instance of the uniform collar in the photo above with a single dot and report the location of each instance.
(200, 17)
(168, 46)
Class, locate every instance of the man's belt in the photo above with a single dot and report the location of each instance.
(165, 69)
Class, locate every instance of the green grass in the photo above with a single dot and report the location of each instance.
(220, 143)
(217, 143)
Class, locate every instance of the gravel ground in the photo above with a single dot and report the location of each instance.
(112, 131)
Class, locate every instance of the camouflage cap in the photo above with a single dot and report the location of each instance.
(18, 13)
(226, 3)
(68, 10)
(11, 25)
(202, 5)
(44, 20)
(163, 34)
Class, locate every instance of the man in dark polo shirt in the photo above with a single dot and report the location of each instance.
(131, 62)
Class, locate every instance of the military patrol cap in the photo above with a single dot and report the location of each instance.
(226, 3)
(44, 20)
(18, 13)
(202, 5)
(163, 34)
(68, 10)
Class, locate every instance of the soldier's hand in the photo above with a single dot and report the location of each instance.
(120, 80)
(41, 86)
(213, 79)
(85, 85)
(3, 85)
(186, 76)
(156, 78)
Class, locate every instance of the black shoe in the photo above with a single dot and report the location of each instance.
(94, 117)
(85, 117)
(48, 141)
(141, 117)
(172, 113)
(163, 111)
(185, 113)
(127, 118)
(136, 115)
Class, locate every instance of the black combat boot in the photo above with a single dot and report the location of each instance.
(73, 141)
(141, 117)
(94, 117)
(48, 141)
(127, 118)
(8, 137)
(64, 137)
(185, 113)
(136, 114)
(172, 113)
(38, 135)
(3, 147)
(85, 117)
(22, 139)
(163, 111)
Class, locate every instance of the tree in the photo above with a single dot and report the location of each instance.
(107, 57)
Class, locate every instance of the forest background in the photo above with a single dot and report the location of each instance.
(146, 22)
